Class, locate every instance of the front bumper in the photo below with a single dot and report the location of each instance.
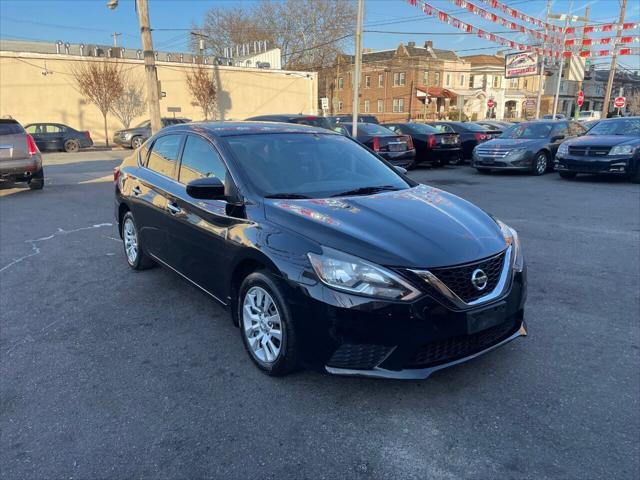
(122, 141)
(609, 166)
(522, 162)
(351, 335)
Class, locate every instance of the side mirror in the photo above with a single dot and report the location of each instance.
(556, 138)
(401, 170)
(208, 188)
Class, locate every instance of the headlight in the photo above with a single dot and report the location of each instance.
(563, 149)
(354, 275)
(622, 150)
(516, 153)
(511, 237)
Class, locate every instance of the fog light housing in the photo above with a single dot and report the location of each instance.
(618, 167)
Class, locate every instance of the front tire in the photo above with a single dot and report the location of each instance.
(136, 142)
(266, 325)
(540, 164)
(71, 146)
(133, 249)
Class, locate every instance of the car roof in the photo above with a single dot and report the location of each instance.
(227, 129)
(284, 115)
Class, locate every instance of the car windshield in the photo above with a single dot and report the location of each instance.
(290, 165)
(528, 131)
(628, 126)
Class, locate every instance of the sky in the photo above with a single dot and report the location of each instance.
(89, 21)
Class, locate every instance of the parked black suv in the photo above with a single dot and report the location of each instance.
(611, 147)
(136, 136)
(324, 253)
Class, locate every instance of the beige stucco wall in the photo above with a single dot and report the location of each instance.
(29, 96)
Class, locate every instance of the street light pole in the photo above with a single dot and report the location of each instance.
(614, 59)
(564, 37)
(542, 61)
(358, 68)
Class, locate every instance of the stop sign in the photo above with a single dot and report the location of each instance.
(491, 103)
(580, 98)
(619, 102)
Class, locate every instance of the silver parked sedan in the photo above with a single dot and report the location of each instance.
(20, 159)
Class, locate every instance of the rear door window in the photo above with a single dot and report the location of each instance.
(200, 160)
(164, 155)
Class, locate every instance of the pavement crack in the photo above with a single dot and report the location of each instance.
(35, 249)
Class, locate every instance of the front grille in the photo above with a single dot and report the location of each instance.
(359, 356)
(458, 279)
(492, 152)
(589, 151)
(454, 348)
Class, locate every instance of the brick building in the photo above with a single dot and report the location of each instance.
(409, 82)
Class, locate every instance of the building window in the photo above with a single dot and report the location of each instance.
(380, 106)
(496, 81)
(398, 79)
(462, 80)
(381, 80)
(525, 83)
(366, 106)
(425, 78)
(398, 105)
(339, 106)
(436, 79)
(513, 83)
(367, 81)
(340, 83)
(447, 80)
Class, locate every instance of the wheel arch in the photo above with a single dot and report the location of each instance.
(123, 208)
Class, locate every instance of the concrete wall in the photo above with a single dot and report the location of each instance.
(29, 96)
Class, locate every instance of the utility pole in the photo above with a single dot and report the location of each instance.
(358, 68)
(584, 35)
(564, 37)
(614, 59)
(115, 36)
(542, 61)
(150, 69)
(153, 90)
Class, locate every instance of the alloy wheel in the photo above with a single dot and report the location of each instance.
(136, 142)
(71, 146)
(130, 236)
(541, 163)
(262, 325)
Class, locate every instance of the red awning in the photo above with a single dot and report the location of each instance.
(438, 92)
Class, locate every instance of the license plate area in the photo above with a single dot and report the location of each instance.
(488, 161)
(6, 151)
(397, 146)
(480, 320)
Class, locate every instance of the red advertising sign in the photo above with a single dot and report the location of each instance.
(491, 103)
(580, 98)
(619, 102)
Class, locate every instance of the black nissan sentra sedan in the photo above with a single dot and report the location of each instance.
(611, 147)
(325, 254)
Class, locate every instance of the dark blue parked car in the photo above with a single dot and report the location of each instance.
(56, 136)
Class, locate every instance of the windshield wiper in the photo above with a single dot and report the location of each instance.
(366, 190)
(286, 195)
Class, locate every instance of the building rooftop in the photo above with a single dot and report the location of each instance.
(484, 60)
(410, 50)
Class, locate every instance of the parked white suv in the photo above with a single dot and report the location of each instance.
(589, 115)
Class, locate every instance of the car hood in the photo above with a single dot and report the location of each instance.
(605, 140)
(512, 143)
(417, 228)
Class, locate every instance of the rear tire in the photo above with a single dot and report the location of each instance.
(37, 180)
(540, 164)
(133, 248)
(71, 146)
(266, 325)
(568, 175)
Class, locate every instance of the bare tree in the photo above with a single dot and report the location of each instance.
(310, 33)
(100, 83)
(202, 87)
(132, 103)
(633, 103)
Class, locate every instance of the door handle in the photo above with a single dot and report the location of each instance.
(136, 191)
(173, 208)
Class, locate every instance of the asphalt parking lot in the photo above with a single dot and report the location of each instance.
(110, 373)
